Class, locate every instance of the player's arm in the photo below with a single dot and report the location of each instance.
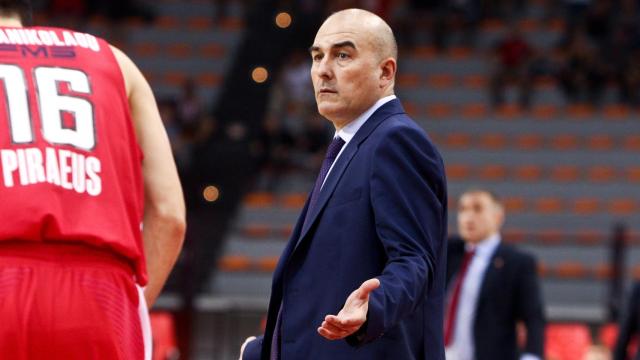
(164, 209)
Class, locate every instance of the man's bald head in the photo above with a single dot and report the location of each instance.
(354, 64)
(373, 27)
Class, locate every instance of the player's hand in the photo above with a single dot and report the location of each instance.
(244, 345)
(353, 314)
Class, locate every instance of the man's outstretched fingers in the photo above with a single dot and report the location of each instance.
(367, 287)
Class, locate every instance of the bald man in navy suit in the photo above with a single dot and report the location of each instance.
(362, 276)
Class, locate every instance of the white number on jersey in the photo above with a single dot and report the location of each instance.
(52, 105)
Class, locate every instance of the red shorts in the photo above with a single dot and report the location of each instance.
(67, 301)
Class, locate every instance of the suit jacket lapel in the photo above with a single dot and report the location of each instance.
(492, 273)
(386, 110)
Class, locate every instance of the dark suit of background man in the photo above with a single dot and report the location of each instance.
(491, 287)
(629, 326)
(373, 232)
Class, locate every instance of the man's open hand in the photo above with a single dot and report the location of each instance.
(353, 314)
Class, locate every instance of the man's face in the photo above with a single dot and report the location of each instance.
(345, 71)
(478, 217)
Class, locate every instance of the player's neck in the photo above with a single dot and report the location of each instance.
(10, 22)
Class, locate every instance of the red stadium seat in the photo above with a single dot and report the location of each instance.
(567, 341)
(164, 336)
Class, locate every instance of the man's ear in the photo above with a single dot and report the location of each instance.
(388, 68)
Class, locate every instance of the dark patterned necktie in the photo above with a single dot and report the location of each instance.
(332, 153)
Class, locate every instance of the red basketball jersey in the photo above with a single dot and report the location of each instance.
(70, 166)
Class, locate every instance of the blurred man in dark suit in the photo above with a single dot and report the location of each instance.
(491, 286)
(629, 326)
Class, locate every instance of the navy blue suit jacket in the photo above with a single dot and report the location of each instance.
(381, 213)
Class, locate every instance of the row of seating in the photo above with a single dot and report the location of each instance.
(512, 112)
(528, 173)
(528, 141)
(569, 270)
(544, 205)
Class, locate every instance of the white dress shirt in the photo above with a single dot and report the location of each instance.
(349, 131)
(462, 346)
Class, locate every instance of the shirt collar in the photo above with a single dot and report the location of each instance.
(349, 131)
(487, 246)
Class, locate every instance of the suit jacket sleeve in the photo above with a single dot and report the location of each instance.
(407, 176)
(628, 325)
(530, 307)
(253, 349)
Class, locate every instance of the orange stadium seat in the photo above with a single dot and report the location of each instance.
(570, 270)
(565, 173)
(632, 142)
(633, 174)
(175, 78)
(411, 108)
(165, 345)
(179, 50)
(615, 112)
(458, 140)
(475, 81)
(408, 80)
(509, 111)
(528, 173)
(543, 269)
(167, 22)
(439, 110)
(492, 24)
(600, 173)
(564, 142)
(579, 111)
(603, 271)
(267, 263)
(425, 52)
(492, 141)
(146, 49)
(544, 111)
(513, 235)
(459, 53)
(199, 23)
(548, 205)
(293, 200)
(529, 142)
(514, 204)
(209, 79)
(551, 236)
(585, 206)
(474, 111)
(567, 341)
(458, 171)
(492, 172)
(285, 231)
(440, 81)
(600, 142)
(256, 230)
(635, 272)
(590, 237)
(212, 50)
(624, 206)
(234, 263)
(259, 200)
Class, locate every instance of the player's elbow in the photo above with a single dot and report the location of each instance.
(173, 220)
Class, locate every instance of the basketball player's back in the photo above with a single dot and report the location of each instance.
(79, 118)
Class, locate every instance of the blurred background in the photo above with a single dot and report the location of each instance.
(537, 100)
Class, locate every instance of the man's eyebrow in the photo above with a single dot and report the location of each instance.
(341, 44)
